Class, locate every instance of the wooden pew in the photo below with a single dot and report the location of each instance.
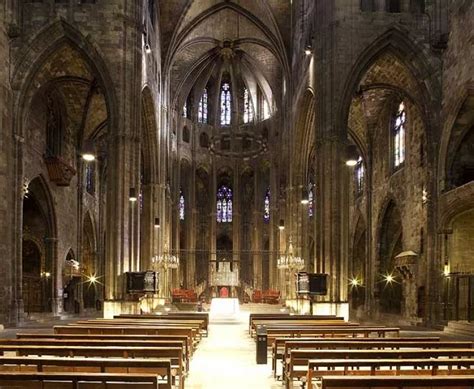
(296, 366)
(374, 344)
(287, 317)
(108, 338)
(126, 330)
(321, 368)
(160, 367)
(204, 316)
(466, 382)
(198, 325)
(100, 343)
(301, 324)
(278, 346)
(174, 354)
(330, 332)
(77, 380)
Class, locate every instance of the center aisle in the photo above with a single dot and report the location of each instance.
(226, 359)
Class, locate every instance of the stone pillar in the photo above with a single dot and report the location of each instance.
(192, 230)
(257, 236)
(236, 219)
(332, 213)
(51, 245)
(118, 260)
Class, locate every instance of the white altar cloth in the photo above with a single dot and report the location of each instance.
(224, 308)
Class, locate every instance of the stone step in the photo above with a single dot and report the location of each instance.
(464, 328)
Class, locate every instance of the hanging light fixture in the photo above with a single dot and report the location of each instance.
(157, 222)
(304, 196)
(352, 155)
(308, 50)
(88, 151)
(132, 195)
(281, 225)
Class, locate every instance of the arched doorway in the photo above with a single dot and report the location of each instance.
(88, 264)
(37, 249)
(460, 254)
(389, 282)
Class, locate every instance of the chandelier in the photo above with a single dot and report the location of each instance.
(166, 260)
(289, 261)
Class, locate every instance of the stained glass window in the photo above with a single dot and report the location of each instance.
(90, 178)
(202, 110)
(266, 207)
(185, 109)
(181, 205)
(248, 108)
(224, 204)
(310, 199)
(226, 104)
(398, 133)
(266, 109)
(359, 175)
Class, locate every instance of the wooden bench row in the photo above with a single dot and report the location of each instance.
(413, 382)
(50, 380)
(121, 345)
(298, 364)
(320, 369)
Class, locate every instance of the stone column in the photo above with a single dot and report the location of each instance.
(332, 213)
(236, 219)
(51, 246)
(258, 230)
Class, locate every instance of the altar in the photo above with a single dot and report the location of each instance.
(224, 308)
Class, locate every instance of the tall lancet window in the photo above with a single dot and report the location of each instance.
(202, 110)
(185, 110)
(248, 108)
(359, 176)
(398, 135)
(224, 204)
(226, 104)
(310, 199)
(266, 206)
(266, 109)
(181, 205)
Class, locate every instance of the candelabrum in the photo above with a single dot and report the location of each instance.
(293, 264)
(290, 261)
(166, 260)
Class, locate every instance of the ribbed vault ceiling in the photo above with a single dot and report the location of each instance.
(194, 31)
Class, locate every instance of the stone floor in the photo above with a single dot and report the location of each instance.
(227, 359)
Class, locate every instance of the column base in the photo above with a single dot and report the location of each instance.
(122, 307)
(303, 307)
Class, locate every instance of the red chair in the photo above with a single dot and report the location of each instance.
(224, 292)
(257, 296)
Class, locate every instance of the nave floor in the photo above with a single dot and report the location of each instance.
(227, 359)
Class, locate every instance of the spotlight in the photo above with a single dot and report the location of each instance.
(147, 48)
(308, 50)
(355, 282)
(446, 270)
(389, 278)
